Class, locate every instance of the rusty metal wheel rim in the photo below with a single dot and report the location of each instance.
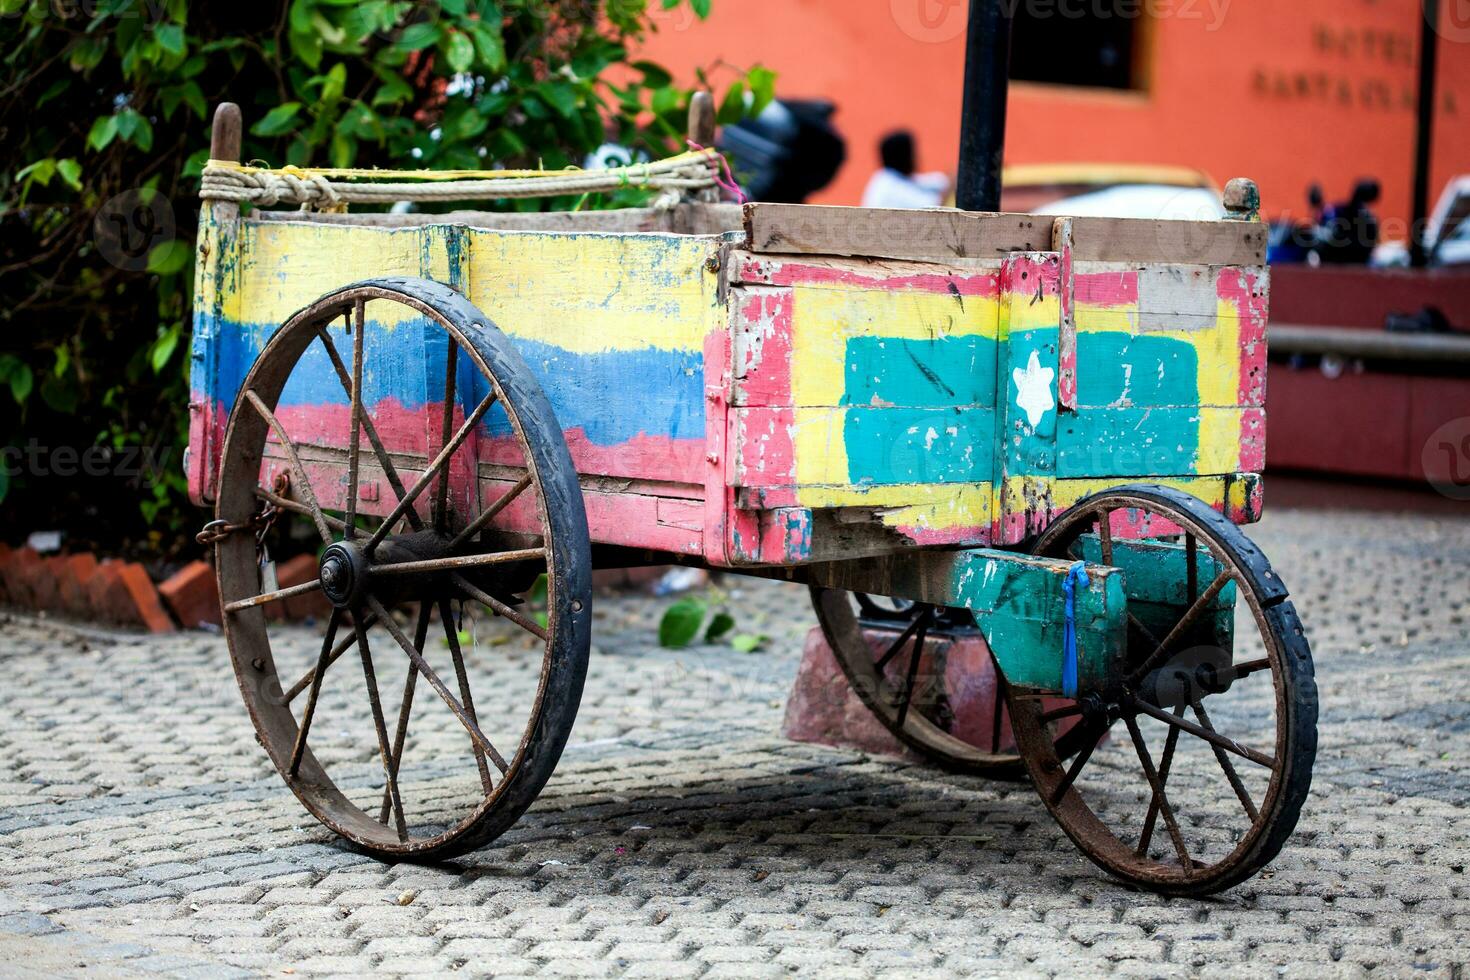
(563, 551)
(1287, 658)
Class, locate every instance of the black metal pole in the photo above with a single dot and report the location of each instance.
(1424, 135)
(983, 125)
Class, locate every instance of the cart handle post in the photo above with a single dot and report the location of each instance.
(224, 138)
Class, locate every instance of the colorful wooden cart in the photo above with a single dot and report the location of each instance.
(1045, 430)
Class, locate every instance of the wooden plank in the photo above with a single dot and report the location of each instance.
(695, 218)
(1234, 243)
(940, 235)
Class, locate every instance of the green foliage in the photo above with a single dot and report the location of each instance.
(105, 121)
(681, 622)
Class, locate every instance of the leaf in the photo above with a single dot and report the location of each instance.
(680, 623)
(39, 172)
(71, 172)
(537, 595)
(21, 381)
(416, 37)
(747, 642)
(490, 44)
(102, 132)
(654, 76)
(164, 348)
(560, 95)
(135, 128)
(732, 110)
(279, 120)
(459, 50)
(169, 257)
(700, 8)
(722, 623)
(170, 37)
(334, 82)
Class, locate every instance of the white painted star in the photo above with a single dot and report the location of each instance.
(1034, 387)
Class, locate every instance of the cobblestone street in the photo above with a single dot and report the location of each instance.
(143, 831)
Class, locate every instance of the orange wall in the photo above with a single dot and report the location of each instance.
(1284, 91)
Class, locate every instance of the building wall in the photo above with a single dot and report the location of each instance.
(1284, 91)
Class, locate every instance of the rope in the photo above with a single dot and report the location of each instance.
(331, 188)
(1076, 575)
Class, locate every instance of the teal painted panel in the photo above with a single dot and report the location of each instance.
(919, 445)
(1156, 583)
(1019, 605)
(1116, 368)
(1131, 441)
(937, 372)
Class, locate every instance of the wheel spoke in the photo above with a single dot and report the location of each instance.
(298, 472)
(452, 635)
(1231, 775)
(372, 688)
(995, 717)
(1209, 735)
(276, 596)
(913, 675)
(354, 438)
(1057, 714)
(1105, 535)
(898, 644)
(343, 645)
(1158, 787)
(316, 689)
(437, 684)
(490, 513)
(1180, 628)
(487, 599)
(1165, 762)
(446, 429)
(384, 460)
(463, 561)
(1076, 768)
(420, 633)
(406, 502)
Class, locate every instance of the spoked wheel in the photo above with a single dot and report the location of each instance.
(924, 671)
(413, 584)
(1214, 724)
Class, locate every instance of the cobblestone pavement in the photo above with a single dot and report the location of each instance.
(143, 832)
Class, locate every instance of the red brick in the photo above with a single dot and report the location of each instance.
(105, 592)
(823, 709)
(46, 583)
(16, 572)
(145, 608)
(5, 555)
(193, 595)
(78, 572)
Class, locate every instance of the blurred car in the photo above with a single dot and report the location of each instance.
(1111, 191)
(1448, 231)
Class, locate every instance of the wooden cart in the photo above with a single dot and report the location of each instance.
(1046, 430)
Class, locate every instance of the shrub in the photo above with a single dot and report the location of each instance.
(104, 108)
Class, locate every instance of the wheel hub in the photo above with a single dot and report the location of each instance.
(343, 571)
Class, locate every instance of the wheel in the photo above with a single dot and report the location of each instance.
(393, 568)
(1215, 723)
(926, 673)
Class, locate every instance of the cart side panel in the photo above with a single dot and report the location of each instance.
(863, 392)
(612, 325)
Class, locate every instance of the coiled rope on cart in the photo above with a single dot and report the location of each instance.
(333, 187)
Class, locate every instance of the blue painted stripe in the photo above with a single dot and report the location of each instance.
(612, 396)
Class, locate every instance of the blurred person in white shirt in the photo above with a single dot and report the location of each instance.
(896, 185)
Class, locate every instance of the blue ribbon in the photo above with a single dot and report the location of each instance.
(1076, 575)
